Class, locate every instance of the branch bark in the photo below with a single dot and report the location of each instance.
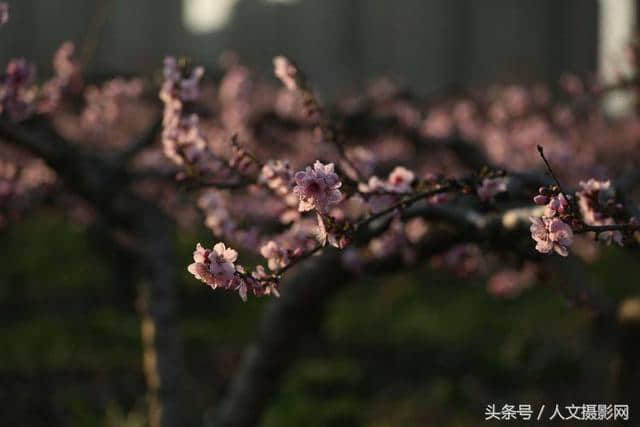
(285, 323)
(288, 320)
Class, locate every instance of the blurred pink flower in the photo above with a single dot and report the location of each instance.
(491, 187)
(277, 175)
(277, 257)
(4, 13)
(286, 72)
(400, 180)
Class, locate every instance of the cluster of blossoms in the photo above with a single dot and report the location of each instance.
(18, 91)
(20, 96)
(338, 210)
(551, 232)
(286, 210)
(181, 137)
(380, 194)
(596, 200)
(278, 176)
(23, 181)
(596, 211)
(104, 104)
(67, 77)
(287, 214)
(278, 256)
(217, 268)
(316, 188)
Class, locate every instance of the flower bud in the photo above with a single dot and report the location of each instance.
(541, 200)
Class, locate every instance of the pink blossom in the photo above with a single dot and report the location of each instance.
(214, 267)
(4, 13)
(557, 205)
(104, 104)
(572, 84)
(541, 199)
(551, 234)
(490, 187)
(593, 185)
(189, 86)
(374, 184)
(516, 100)
(317, 188)
(375, 194)
(67, 78)
(63, 62)
(438, 124)
(181, 137)
(277, 257)
(593, 198)
(286, 71)
(400, 180)
(268, 284)
(327, 232)
(222, 259)
(18, 90)
(277, 175)
(415, 229)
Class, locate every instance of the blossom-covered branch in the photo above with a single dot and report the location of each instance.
(596, 211)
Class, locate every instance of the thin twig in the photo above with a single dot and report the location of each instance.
(603, 228)
(144, 141)
(299, 259)
(546, 162)
(403, 204)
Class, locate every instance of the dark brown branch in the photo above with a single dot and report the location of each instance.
(284, 325)
(143, 141)
(585, 228)
(403, 204)
(298, 312)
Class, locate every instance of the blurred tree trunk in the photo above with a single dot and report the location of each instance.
(628, 372)
(161, 342)
(148, 236)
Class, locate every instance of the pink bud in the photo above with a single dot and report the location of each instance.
(540, 200)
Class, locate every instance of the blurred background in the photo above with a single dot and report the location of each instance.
(425, 44)
(420, 348)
